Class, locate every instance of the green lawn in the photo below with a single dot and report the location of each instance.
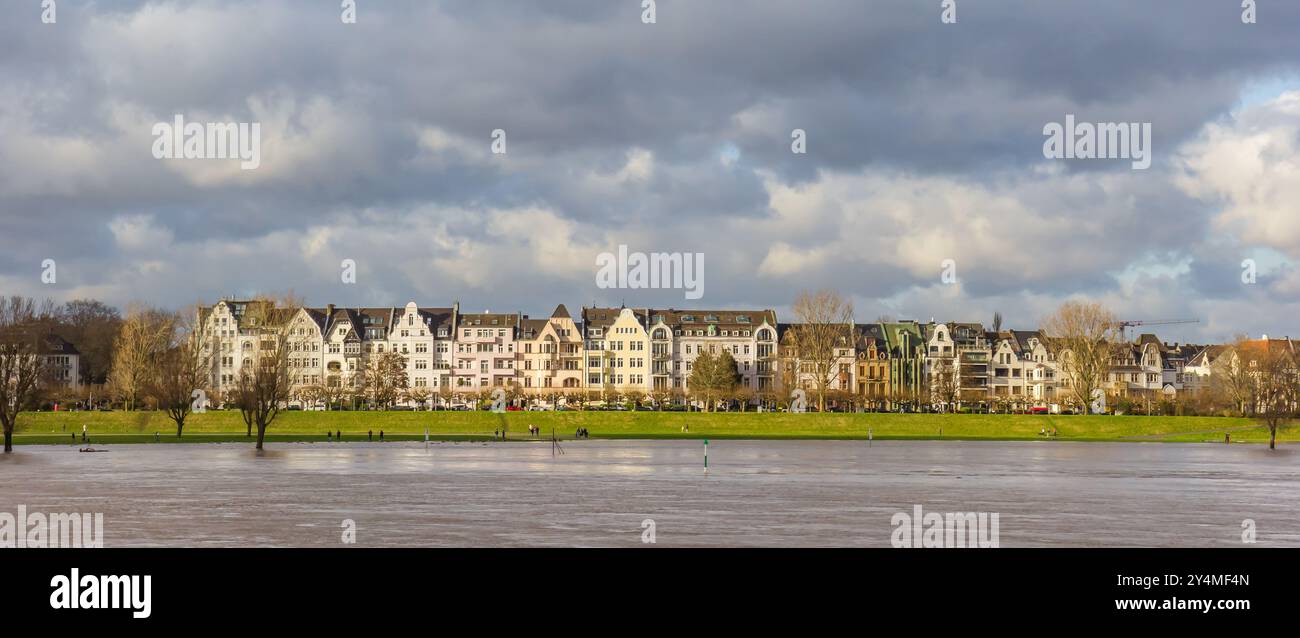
(48, 427)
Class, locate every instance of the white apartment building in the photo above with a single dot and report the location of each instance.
(550, 352)
(1024, 371)
(228, 343)
(62, 362)
(650, 350)
(617, 349)
(677, 337)
(958, 353)
(1136, 369)
(329, 346)
(484, 350)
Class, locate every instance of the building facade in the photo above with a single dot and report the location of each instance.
(890, 365)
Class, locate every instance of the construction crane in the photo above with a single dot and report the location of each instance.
(1124, 325)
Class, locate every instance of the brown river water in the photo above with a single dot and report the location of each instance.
(598, 493)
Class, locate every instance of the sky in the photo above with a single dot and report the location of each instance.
(924, 143)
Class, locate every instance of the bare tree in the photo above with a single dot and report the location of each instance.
(659, 396)
(824, 331)
(93, 326)
(384, 378)
(1230, 379)
(635, 396)
(944, 385)
(1273, 369)
(312, 395)
(418, 395)
(23, 329)
(743, 395)
(676, 396)
(264, 384)
(140, 343)
(712, 378)
(1082, 332)
(445, 393)
(181, 370)
(609, 394)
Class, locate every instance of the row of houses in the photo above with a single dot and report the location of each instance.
(651, 351)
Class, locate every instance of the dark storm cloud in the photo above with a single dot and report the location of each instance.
(669, 136)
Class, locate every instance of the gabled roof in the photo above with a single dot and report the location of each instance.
(895, 331)
(1147, 338)
(53, 344)
(530, 328)
(317, 316)
(870, 334)
(1207, 355)
(435, 318)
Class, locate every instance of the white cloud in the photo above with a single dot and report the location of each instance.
(1249, 164)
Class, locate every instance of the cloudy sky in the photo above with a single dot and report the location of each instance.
(924, 143)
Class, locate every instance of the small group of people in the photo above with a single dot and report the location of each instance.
(533, 430)
(581, 433)
(1046, 432)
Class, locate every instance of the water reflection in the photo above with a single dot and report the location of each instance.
(766, 493)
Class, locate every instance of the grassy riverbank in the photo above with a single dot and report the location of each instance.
(136, 427)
